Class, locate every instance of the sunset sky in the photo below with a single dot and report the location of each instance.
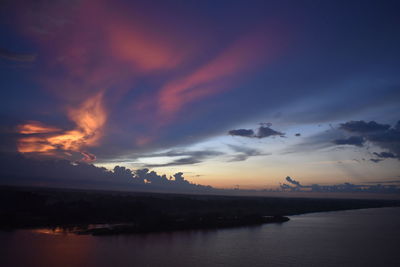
(230, 93)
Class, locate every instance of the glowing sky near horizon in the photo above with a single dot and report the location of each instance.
(231, 93)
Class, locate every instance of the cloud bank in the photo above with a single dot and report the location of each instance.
(21, 170)
(295, 186)
(383, 136)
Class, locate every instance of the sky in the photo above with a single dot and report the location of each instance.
(231, 94)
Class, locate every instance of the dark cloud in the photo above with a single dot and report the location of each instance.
(244, 153)
(397, 126)
(385, 182)
(364, 127)
(6, 54)
(339, 188)
(352, 140)
(286, 187)
(381, 135)
(19, 170)
(267, 132)
(292, 181)
(298, 134)
(262, 132)
(242, 132)
(385, 155)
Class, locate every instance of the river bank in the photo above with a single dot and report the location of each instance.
(121, 212)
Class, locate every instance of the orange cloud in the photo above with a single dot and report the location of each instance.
(89, 118)
(34, 127)
(34, 144)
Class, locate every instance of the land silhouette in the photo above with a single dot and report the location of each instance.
(112, 212)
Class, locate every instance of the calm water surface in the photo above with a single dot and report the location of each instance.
(369, 237)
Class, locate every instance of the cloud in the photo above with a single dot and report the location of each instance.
(267, 132)
(262, 132)
(88, 157)
(292, 181)
(242, 132)
(376, 160)
(177, 162)
(381, 135)
(385, 182)
(154, 69)
(147, 58)
(339, 188)
(385, 155)
(298, 134)
(189, 157)
(317, 141)
(244, 153)
(221, 72)
(36, 127)
(6, 54)
(90, 118)
(352, 140)
(20, 170)
(363, 127)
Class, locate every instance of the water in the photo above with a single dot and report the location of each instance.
(369, 237)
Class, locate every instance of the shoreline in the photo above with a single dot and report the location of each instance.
(153, 212)
(107, 229)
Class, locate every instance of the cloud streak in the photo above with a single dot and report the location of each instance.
(219, 74)
(189, 157)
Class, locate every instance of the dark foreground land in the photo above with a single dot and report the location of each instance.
(121, 212)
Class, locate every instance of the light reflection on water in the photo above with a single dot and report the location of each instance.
(349, 238)
(72, 229)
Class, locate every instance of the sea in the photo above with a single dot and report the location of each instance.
(366, 237)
